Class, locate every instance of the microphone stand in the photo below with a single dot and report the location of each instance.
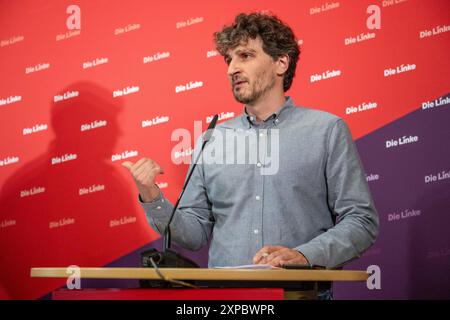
(168, 258)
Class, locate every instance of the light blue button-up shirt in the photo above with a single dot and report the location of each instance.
(302, 186)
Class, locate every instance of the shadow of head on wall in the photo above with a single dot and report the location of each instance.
(85, 121)
(62, 203)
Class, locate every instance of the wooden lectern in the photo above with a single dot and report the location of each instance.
(210, 284)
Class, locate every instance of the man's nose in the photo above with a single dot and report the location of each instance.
(233, 68)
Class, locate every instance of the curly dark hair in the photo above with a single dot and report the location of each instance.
(277, 38)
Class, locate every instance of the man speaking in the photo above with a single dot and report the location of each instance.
(315, 208)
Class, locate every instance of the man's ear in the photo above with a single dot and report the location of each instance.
(282, 64)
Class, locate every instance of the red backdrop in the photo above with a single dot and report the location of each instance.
(65, 198)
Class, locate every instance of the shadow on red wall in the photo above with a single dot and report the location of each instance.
(72, 204)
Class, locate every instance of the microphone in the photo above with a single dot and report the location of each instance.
(206, 138)
(168, 258)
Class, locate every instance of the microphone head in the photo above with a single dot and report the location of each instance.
(213, 122)
(210, 129)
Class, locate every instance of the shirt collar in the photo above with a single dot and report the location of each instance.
(276, 117)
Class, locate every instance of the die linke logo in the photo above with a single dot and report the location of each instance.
(434, 32)
(8, 161)
(127, 28)
(388, 3)
(212, 53)
(436, 103)
(442, 252)
(91, 189)
(222, 116)
(34, 129)
(7, 223)
(399, 69)
(73, 23)
(359, 38)
(392, 143)
(325, 75)
(188, 86)
(156, 120)
(182, 155)
(61, 223)
(324, 7)
(93, 125)
(124, 155)
(372, 177)
(404, 214)
(125, 91)
(156, 57)
(11, 40)
(372, 22)
(66, 95)
(31, 192)
(64, 158)
(10, 99)
(189, 22)
(37, 67)
(122, 221)
(361, 107)
(435, 177)
(94, 63)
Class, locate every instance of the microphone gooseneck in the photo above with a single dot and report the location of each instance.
(168, 258)
(206, 138)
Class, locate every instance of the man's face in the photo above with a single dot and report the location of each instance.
(251, 71)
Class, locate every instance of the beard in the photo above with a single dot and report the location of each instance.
(252, 91)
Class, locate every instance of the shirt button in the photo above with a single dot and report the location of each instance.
(257, 197)
(256, 231)
(158, 207)
(261, 134)
(259, 164)
(276, 120)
